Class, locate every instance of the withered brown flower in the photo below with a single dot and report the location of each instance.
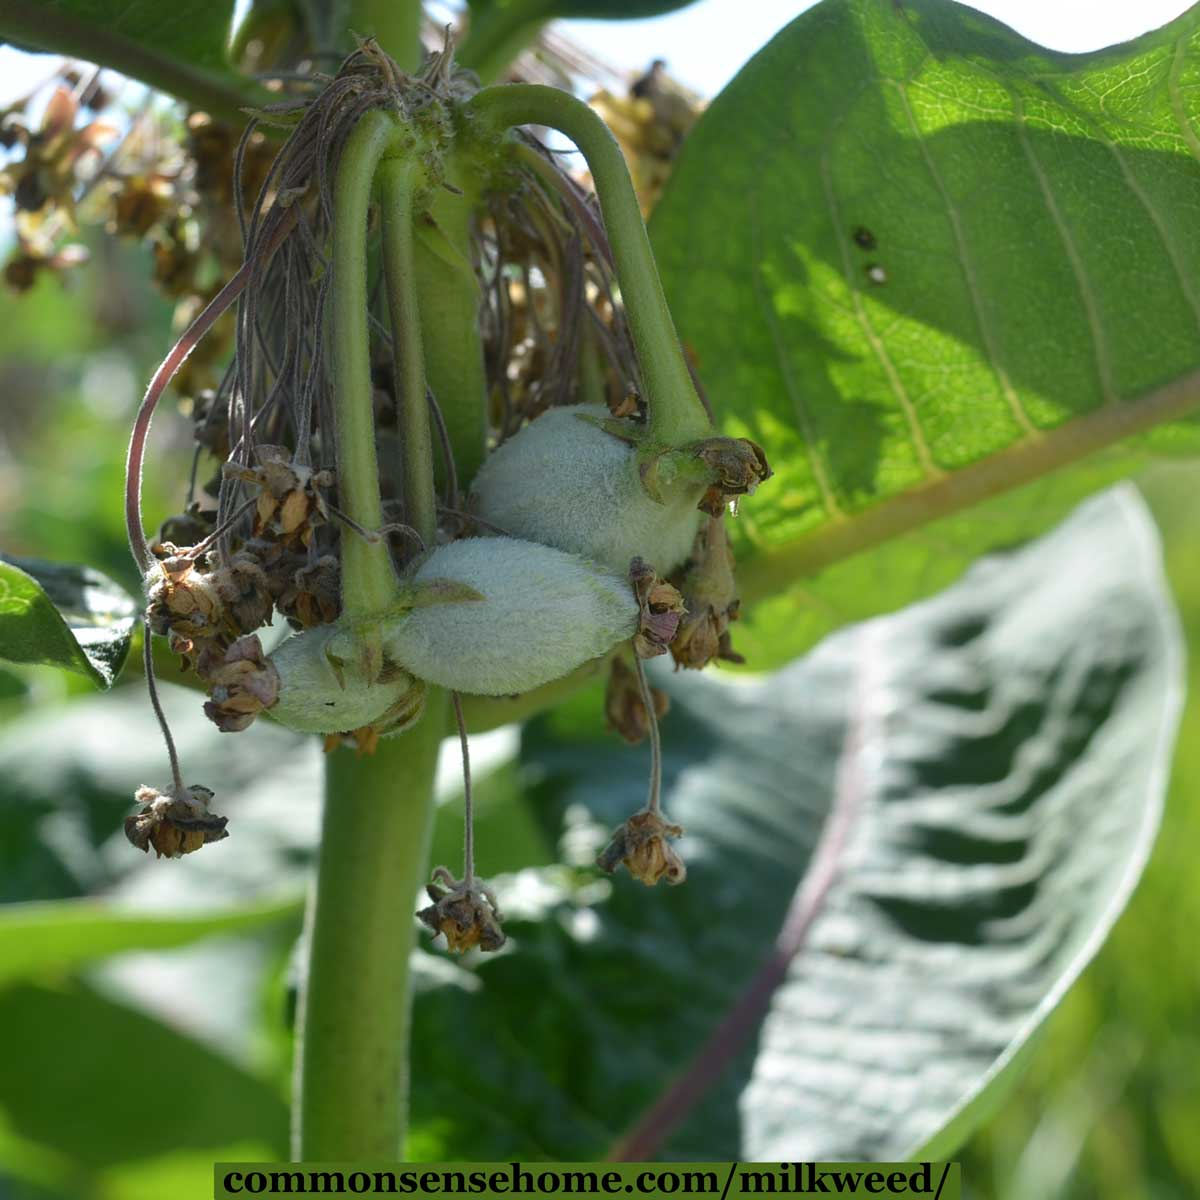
(737, 467)
(465, 912)
(243, 684)
(641, 844)
(661, 610)
(174, 823)
(709, 592)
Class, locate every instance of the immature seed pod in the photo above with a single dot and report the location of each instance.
(541, 614)
(322, 688)
(565, 482)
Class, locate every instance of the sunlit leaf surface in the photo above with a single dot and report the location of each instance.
(937, 261)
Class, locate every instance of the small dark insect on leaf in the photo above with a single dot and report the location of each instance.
(864, 238)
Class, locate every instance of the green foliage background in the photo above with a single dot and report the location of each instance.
(1108, 1108)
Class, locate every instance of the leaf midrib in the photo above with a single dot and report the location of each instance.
(822, 873)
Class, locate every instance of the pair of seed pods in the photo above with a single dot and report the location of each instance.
(542, 602)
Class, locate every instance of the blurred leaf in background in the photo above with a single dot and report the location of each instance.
(62, 615)
(1108, 1104)
(943, 809)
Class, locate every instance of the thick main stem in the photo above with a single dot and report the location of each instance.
(351, 1070)
(675, 412)
(351, 1067)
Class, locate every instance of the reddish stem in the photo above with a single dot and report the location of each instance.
(647, 1135)
(163, 376)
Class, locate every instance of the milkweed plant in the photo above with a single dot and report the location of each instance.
(453, 460)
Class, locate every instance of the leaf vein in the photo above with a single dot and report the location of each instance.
(1186, 128)
(917, 435)
(968, 269)
(1185, 283)
(799, 404)
(1091, 310)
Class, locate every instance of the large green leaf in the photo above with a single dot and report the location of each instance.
(179, 47)
(62, 936)
(102, 1085)
(938, 261)
(62, 615)
(901, 852)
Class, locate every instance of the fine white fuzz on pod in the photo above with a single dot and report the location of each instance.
(322, 689)
(542, 614)
(565, 482)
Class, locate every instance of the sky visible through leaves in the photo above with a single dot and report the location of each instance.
(707, 42)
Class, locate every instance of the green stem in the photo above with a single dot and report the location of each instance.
(593, 388)
(675, 412)
(368, 580)
(394, 24)
(450, 300)
(498, 33)
(352, 1065)
(396, 179)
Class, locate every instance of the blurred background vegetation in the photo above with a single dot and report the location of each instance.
(1108, 1108)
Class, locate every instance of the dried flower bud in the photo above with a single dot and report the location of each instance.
(139, 205)
(313, 596)
(736, 465)
(628, 406)
(244, 684)
(173, 823)
(245, 592)
(641, 845)
(32, 188)
(290, 501)
(661, 609)
(624, 708)
(538, 614)
(186, 528)
(21, 271)
(467, 914)
(563, 481)
(279, 563)
(710, 594)
(183, 599)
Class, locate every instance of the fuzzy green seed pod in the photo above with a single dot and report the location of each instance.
(565, 482)
(541, 613)
(322, 687)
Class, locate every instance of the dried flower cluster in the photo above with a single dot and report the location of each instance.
(85, 162)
